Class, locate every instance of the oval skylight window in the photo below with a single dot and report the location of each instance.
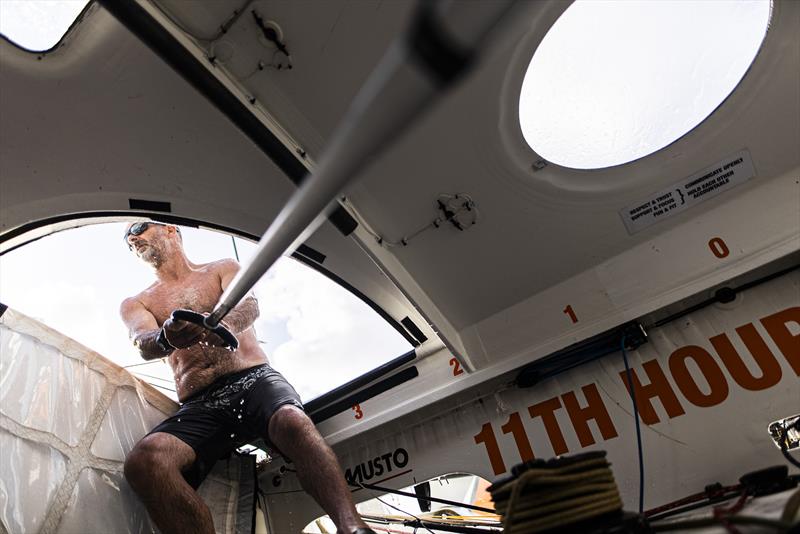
(614, 81)
(38, 25)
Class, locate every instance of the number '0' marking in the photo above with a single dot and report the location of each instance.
(718, 247)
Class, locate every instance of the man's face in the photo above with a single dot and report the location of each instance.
(150, 244)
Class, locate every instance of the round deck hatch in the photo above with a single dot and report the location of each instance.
(614, 81)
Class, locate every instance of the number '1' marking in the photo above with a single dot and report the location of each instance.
(515, 428)
(569, 311)
(486, 436)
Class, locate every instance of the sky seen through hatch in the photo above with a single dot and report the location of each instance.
(316, 333)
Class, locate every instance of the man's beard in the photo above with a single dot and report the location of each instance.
(152, 255)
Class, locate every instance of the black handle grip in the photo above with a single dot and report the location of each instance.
(231, 343)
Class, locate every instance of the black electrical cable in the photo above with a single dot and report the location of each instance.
(162, 387)
(716, 297)
(223, 29)
(398, 509)
(784, 438)
(270, 34)
(429, 499)
(699, 500)
(705, 522)
(148, 362)
(632, 392)
(235, 249)
(138, 374)
(444, 527)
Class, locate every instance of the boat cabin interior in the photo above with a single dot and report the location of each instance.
(582, 244)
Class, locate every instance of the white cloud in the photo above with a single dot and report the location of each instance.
(334, 336)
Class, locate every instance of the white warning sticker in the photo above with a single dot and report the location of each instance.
(690, 191)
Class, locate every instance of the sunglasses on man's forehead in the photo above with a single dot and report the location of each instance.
(140, 228)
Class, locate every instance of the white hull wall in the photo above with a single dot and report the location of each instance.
(715, 430)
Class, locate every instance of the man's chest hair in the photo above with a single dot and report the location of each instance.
(200, 295)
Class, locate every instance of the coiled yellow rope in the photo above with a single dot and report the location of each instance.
(545, 495)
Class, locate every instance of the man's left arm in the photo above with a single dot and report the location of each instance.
(241, 317)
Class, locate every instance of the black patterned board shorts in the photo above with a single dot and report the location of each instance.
(232, 411)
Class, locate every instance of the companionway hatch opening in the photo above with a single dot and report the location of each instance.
(315, 332)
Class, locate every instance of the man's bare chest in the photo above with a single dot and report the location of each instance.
(198, 293)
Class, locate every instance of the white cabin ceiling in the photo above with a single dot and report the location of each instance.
(127, 126)
(102, 119)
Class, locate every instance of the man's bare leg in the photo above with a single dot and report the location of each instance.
(317, 467)
(153, 469)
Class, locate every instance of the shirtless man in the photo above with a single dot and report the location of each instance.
(227, 398)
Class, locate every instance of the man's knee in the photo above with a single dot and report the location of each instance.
(153, 457)
(291, 421)
(140, 464)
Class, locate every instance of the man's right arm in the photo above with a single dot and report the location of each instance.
(143, 329)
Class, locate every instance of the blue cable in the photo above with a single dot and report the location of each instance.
(638, 430)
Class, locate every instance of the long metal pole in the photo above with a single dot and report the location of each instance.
(414, 71)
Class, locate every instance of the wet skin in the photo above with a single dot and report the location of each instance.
(196, 365)
(180, 284)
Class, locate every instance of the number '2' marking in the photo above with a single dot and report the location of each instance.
(456, 365)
